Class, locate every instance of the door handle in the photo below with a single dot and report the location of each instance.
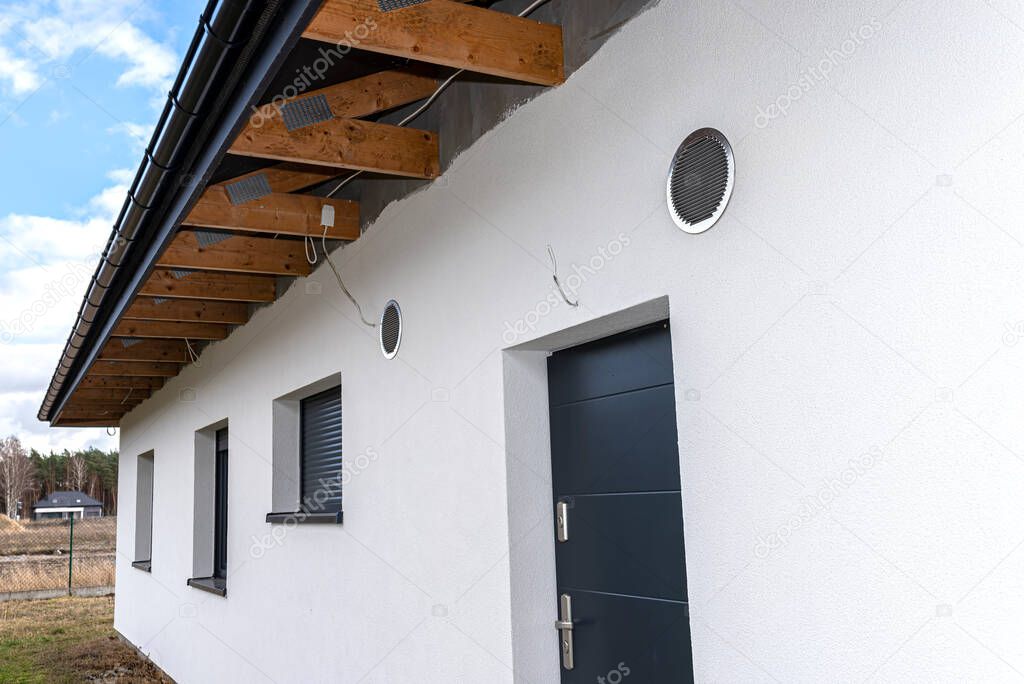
(564, 627)
(562, 521)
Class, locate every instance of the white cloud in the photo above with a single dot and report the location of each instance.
(45, 265)
(18, 73)
(38, 40)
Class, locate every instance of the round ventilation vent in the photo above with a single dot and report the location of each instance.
(390, 329)
(700, 180)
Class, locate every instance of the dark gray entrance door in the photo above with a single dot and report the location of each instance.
(619, 535)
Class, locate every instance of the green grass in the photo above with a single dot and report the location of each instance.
(66, 640)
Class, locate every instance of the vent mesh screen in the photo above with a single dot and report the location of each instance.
(207, 238)
(388, 5)
(306, 112)
(390, 329)
(248, 189)
(700, 180)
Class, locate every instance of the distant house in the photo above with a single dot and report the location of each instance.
(63, 505)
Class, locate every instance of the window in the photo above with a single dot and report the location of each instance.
(320, 449)
(220, 505)
(307, 454)
(143, 512)
(210, 511)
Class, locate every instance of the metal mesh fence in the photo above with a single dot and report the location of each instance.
(57, 555)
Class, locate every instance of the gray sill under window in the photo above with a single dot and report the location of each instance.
(214, 585)
(302, 517)
(144, 565)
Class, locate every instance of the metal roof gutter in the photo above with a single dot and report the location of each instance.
(236, 51)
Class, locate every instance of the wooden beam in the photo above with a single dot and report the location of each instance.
(170, 330)
(212, 286)
(85, 423)
(147, 350)
(347, 144)
(90, 415)
(237, 254)
(188, 311)
(107, 382)
(115, 394)
(135, 369)
(277, 213)
(98, 406)
(287, 177)
(448, 33)
(354, 99)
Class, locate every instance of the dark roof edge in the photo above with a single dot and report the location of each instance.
(277, 28)
(87, 501)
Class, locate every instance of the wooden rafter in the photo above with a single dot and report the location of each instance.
(98, 406)
(287, 177)
(278, 213)
(170, 330)
(137, 383)
(448, 33)
(347, 144)
(79, 414)
(236, 254)
(82, 423)
(127, 369)
(211, 286)
(114, 394)
(356, 98)
(145, 350)
(341, 143)
(187, 311)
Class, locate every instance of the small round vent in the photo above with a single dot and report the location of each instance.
(390, 329)
(700, 180)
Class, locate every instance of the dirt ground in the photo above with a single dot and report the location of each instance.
(67, 640)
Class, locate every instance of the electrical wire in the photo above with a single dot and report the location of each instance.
(348, 179)
(341, 283)
(191, 352)
(558, 284)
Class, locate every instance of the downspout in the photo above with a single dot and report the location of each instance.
(207, 61)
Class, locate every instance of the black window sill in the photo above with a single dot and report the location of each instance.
(144, 565)
(304, 518)
(214, 585)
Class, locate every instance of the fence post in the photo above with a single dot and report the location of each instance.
(71, 550)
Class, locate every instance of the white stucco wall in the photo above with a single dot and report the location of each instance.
(847, 360)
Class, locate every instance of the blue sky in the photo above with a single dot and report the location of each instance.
(81, 85)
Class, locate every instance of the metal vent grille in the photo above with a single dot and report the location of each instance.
(130, 341)
(700, 180)
(306, 112)
(248, 189)
(159, 300)
(390, 329)
(180, 273)
(388, 5)
(206, 238)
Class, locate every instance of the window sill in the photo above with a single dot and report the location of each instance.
(304, 518)
(144, 565)
(214, 585)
